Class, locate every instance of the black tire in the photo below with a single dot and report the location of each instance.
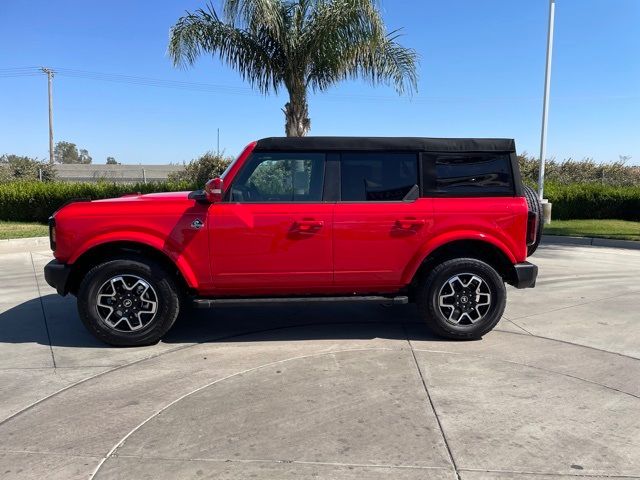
(164, 290)
(437, 280)
(536, 207)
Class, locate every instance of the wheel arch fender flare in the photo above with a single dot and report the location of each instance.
(433, 244)
(144, 240)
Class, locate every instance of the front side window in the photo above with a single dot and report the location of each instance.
(370, 177)
(280, 177)
(473, 173)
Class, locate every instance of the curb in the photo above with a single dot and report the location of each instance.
(17, 245)
(590, 241)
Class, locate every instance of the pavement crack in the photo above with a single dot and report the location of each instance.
(588, 302)
(280, 461)
(40, 452)
(574, 344)
(542, 369)
(113, 452)
(433, 407)
(520, 327)
(550, 474)
(44, 314)
(206, 340)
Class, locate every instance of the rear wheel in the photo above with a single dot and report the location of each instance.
(535, 206)
(462, 299)
(128, 301)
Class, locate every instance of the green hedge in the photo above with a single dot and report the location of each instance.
(592, 200)
(36, 201)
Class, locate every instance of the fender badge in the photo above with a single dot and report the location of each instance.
(197, 224)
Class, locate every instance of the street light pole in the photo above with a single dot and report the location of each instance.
(545, 105)
(50, 73)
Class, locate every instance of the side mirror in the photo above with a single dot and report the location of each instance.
(214, 190)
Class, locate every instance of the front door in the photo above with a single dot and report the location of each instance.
(380, 222)
(274, 234)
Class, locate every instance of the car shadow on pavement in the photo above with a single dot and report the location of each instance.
(279, 322)
(53, 320)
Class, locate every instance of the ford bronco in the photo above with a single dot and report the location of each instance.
(444, 223)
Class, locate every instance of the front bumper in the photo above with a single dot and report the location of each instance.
(525, 275)
(57, 275)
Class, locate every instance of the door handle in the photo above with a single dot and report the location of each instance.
(308, 226)
(409, 223)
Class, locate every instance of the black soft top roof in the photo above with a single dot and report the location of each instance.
(386, 144)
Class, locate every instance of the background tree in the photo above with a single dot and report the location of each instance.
(112, 161)
(297, 45)
(65, 152)
(200, 170)
(84, 157)
(17, 167)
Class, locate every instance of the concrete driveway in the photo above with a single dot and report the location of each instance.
(348, 392)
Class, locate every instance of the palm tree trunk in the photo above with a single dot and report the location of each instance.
(296, 113)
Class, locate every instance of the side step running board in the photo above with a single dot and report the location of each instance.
(218, 302)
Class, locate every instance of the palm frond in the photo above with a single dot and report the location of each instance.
(252, 14)
(343, 18)
(347, 39)
(390, 63)
(256, 57)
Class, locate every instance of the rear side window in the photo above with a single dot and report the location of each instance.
(468, 174)
(377, 177)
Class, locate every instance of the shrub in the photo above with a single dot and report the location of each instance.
(200, 170)
(16, 167)
(583, 171)
(36, 201)
(592, 200)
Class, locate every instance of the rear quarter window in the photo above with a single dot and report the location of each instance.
(469, 174)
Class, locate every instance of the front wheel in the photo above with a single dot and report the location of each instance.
(462, 299)
(128, 301)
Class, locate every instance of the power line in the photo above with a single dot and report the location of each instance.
(183, 85)
(154, 82)
(216, 88)
(16, 75)
(19, 71)
(143, 81)
(14, 69)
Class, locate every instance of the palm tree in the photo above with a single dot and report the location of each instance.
(297, 44)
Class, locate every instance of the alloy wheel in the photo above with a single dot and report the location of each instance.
(464, 299)
(126, 303)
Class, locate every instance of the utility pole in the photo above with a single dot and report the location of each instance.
(545, 103)
(50, 74)
(218, 148)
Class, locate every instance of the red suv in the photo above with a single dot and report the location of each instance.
(444, 223)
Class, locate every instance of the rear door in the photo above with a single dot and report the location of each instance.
(380, 221)
(274, 234)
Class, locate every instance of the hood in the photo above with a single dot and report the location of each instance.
(169, 203)
(148, 197)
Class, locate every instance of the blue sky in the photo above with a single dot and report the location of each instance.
(481, 75)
